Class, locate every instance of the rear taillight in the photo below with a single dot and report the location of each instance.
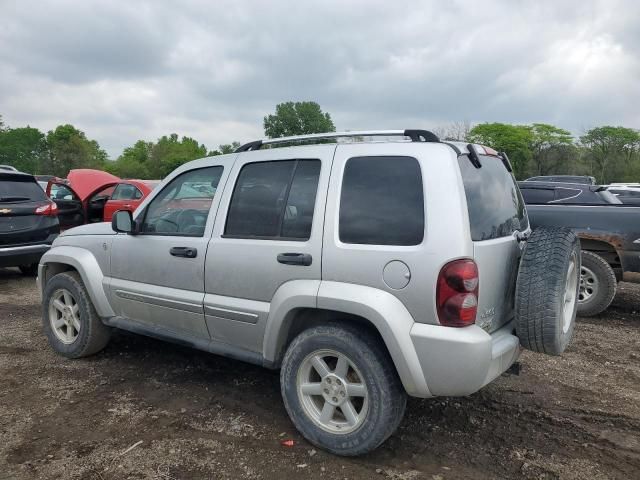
(49, 209)
(457, 293)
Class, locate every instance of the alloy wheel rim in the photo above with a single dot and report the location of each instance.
(332, 391)
(570, 294)
(64, 316)
(589, 284)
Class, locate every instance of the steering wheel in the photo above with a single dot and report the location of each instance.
(187, 218)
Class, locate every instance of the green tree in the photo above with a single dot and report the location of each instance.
(24, 148)
(134, 161)
(611, 148)
(225, 149)
(515, 140)
(549, 144)
(297, 118)
(69, 148)
(170, 152)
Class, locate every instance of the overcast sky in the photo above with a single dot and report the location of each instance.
(126, 70)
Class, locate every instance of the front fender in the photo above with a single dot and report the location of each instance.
(87, 266)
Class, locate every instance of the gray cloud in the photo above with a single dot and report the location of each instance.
(211, 70)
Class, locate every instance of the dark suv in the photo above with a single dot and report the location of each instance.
(583, 179)
(538, 193)
(28, 221)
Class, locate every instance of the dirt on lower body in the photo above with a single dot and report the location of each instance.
(146, 409)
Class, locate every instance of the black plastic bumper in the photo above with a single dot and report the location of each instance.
(23, 255)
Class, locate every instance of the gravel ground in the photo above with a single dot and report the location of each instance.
(146, 409)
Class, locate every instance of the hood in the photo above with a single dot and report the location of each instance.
(102, 228)
(85, 181)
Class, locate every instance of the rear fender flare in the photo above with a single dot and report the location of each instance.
(383, 310)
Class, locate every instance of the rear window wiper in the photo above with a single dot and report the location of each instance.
(13, 199)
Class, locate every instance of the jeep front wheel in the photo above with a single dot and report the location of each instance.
(69, 319)
(341, 389)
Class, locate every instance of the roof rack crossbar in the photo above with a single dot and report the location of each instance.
(414, 135)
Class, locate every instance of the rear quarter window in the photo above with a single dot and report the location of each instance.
(495, 204)
(382, 201)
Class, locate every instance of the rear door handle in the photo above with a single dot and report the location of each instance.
(186, 252)
(295, 259)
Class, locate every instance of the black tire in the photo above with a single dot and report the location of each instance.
(29, 270)
(543, 281)
(386, 396)
(597, 285)
(92, 336)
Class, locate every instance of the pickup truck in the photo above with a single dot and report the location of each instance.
(610, 240)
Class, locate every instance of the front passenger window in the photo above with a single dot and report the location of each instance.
(182, 207)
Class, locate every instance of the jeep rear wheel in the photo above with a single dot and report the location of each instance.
(547, 290)
(341, 389)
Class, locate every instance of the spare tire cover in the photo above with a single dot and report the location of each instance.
(547, 290)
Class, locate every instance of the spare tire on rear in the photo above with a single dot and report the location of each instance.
(547, 290)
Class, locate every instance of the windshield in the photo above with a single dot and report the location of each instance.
(18, 188)
(495, 205)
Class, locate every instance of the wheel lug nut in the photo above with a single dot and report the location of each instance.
(326, 390)
(328, 380)
(342, 394)
(334, 399)
(338, 382)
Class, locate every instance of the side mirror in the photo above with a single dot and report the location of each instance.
(122, 222)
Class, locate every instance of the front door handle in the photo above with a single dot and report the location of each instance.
(186, 252)
(295, 259)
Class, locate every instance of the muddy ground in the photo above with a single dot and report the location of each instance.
(189, 414)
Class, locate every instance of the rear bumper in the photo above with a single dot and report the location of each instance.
(460, 361)
(22, 255)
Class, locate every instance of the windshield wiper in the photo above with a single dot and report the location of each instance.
(13, 199)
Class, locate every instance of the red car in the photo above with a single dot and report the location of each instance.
(127, 195)
(89, 196)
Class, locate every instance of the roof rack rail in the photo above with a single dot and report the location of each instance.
(414, 135)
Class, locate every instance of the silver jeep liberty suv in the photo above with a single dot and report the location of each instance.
(366, 266)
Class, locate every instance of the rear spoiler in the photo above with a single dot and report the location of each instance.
(474, 156)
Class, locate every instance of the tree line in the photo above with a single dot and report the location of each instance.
(609, 153)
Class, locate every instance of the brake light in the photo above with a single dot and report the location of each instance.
(457, 293)
(49, 209)
(490, 151)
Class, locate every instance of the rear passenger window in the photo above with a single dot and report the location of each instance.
(537, 195)
(566, 193)
(125, 191)
(274, 200)
(382, 201)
